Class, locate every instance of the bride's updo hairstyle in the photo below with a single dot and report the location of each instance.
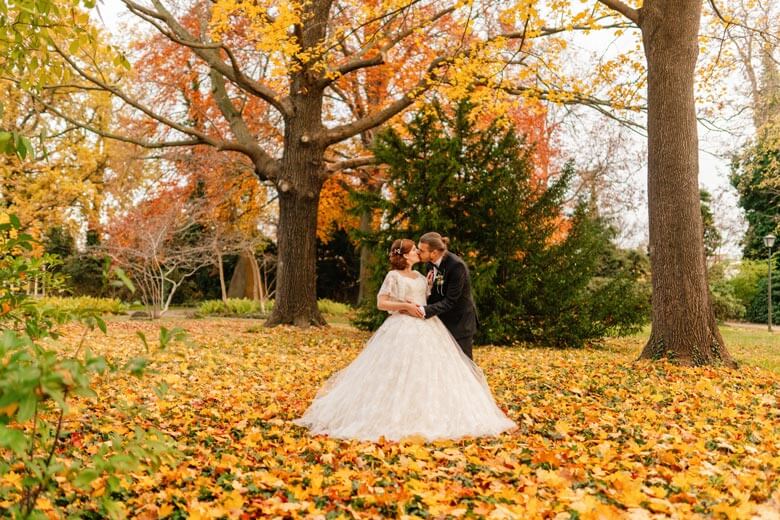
(397, 251)
(435, 241)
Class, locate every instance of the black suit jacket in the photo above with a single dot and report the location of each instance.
(451, 301)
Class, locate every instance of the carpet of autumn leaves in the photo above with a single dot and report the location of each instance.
(600, 436)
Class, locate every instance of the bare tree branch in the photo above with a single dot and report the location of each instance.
(265, 165)
(363, 63)
(600, 105)
(209, 52)
(339, 133)
(765, 35)
(109, 135)
(622, 8)
(390, 16)
(355, 107)
(359, 61)
(351, 164)
(222, 145)
(548, 31)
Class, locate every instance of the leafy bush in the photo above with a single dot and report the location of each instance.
(37, 383)
(333, 308)
(211, 307)
(725, 303)
(758, 311)
(85, 277)
(240, 306)
(746, 280)
(338, 267)
(84, 303)
(234, 307)
(538, 271)
(250, 308)
(754, 173)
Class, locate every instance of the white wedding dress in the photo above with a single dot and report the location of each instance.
(411, 379)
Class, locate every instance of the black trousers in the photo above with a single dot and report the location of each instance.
(465, 345)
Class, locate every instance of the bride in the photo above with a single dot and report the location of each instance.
(411, 379)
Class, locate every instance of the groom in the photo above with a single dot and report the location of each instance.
(450, 299)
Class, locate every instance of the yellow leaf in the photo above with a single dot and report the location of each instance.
(9, 409)
(626, 490)
(165, 510)
(563, 427)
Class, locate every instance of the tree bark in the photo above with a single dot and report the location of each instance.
(299, 183)
(684, 328)
(296, 276)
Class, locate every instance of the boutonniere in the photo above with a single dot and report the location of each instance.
(438, 281)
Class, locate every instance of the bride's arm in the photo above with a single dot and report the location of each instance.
(386, 303)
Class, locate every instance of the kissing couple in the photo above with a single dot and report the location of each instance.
(415, 376)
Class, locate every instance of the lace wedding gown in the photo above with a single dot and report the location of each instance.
(411, 379)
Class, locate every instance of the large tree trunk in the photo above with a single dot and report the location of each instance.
(299, 185)
(296, 275)
(683, 323)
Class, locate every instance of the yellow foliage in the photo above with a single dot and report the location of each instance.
(333, 213)
(592, 438)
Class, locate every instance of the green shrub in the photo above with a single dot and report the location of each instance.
(37, 384)
(723, 295)
(758, 311)
(333, 308)
(726, 306)
(234, 307)
(84, 303)
(242, 306)
(251, 308)
(211, 307)
(746, 280)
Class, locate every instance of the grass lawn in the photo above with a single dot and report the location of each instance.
(749, 344)
(599, 435)
(753, 345)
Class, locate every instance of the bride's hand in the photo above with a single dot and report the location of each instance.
(414, 310)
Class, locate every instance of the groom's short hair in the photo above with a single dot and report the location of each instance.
(435, 241)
